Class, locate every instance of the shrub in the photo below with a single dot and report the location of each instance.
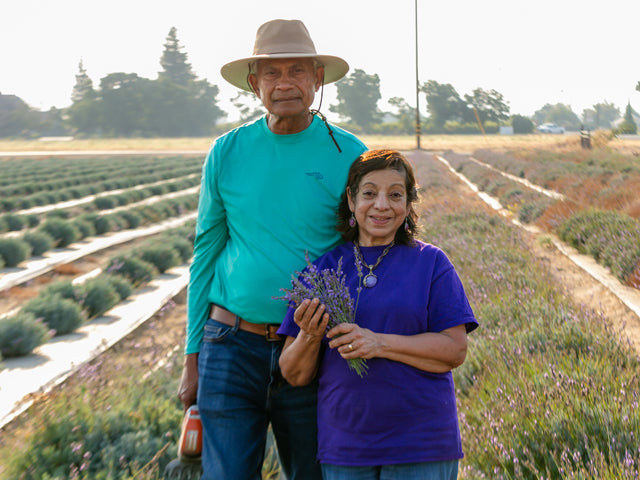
(63, 214)
(521, 124)
(63, 233)
(121, 285)
(14, 222)
(13, 251)
(8, 204)
(626, 128)
(104, 203)
(136, 270)
(85, 228)
(183, 246)
(98, 295)
(530, 212)
(109, 223)
(132, 218)
(20, 334)
(59, 314)
(163, 257)
(104, 224)
(64, 289)
(39, 242)
(32, 220)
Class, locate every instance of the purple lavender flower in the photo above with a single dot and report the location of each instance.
(330, 288)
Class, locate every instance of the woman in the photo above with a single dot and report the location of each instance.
(398, 420)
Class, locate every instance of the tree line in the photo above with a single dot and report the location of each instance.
(179, 104)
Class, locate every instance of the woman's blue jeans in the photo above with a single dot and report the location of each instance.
(241, 391)
(405, 471)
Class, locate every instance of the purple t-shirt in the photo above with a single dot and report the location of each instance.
(395, 413)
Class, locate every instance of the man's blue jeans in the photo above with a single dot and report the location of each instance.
(241, 391)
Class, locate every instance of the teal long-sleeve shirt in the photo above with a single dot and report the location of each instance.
(265, 200)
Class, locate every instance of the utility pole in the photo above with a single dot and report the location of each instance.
(417, 82)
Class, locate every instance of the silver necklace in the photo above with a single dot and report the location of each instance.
(370, 279)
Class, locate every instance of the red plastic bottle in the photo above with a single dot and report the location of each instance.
(190, 444)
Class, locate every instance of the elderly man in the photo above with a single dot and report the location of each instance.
(269, 193)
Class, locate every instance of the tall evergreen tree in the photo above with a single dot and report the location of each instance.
(83, 87)
(174, 61)
(628, 125)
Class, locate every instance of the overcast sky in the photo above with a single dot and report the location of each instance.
(545, 51)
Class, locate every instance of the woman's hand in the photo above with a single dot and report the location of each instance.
(300, 355)
(353, 341)
(436, 352)
(311, 319)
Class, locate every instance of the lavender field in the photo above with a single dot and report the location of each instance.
(549, 388)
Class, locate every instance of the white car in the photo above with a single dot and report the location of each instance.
(550, 128)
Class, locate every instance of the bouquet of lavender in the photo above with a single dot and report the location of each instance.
(329, 287)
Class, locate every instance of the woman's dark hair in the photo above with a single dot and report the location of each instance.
(368, 162)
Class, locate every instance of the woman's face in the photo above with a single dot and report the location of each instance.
(380, 206)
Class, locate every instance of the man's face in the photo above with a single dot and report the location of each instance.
(286, 86)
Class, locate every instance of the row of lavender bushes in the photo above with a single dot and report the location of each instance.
(28, 183)
(548, 390)
(15, 222)
(57, 232)
(596, 215)
(63, 307)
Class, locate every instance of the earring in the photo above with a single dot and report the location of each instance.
(406, 224)
(352, 221)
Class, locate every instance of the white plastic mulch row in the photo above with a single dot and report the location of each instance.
(22, 379)
(35, 267)
(627, 295)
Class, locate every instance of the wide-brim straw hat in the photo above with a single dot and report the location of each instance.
(282, 39)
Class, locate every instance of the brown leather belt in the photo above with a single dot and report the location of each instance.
(268, 330)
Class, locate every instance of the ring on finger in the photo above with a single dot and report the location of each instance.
(350, 347)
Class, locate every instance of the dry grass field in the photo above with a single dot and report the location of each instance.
(459, 143)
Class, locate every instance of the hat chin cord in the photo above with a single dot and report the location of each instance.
(323, 118)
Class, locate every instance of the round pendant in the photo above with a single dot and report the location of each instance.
(370, 280)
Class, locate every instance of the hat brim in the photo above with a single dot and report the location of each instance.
(236, 72)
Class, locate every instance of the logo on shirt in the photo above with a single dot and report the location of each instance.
(316, 175)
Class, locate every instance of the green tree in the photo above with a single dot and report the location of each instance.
(405, 115)
(83, 87)
(443, 103)
(358, 96)
(560, 114)
(203, 108)
(248, 105)
(490, 106)
(125, 104)
(602, 115)
(15, 116)
(521, 124)
(628, 125)
(174, 61)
